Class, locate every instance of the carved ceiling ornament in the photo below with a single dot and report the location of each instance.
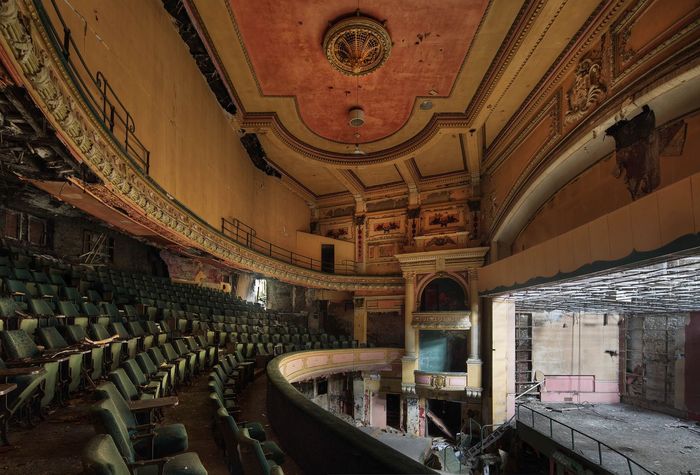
(26, 42)
(588, 88)
(357, 45)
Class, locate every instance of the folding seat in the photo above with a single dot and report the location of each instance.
(252, 455)
(154, 364)
(232, 433)
(172, 357)
(130, 312)
(111, 311)
(192, 358)
(39, 277)
(19, 346)
(127, 389)
(26, 399)
(52, 340)
(6, 272)
(71, 294)
(132, 344)
(41, 310)
(154, 329)
(13, 317)
(206, 355)
(93, 296)
(108, 421)
(22, 274)
(136, 330)
(168, 439)
(155, 386)
(72, 314)
(57, 279)
(76, 335)
(114, 351)
(345, 344)
(94, 314)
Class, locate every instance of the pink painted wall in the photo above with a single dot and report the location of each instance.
(692, 366)
(578, 389)
(378, 418)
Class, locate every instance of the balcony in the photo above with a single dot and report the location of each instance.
(450, 385)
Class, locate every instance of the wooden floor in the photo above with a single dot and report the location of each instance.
(54, 446)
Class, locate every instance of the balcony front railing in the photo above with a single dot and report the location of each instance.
(95, 88)
(246, 236)
(590, 448)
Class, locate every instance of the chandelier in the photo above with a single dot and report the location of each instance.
(357, 45)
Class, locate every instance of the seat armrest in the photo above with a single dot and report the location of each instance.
(150, 404)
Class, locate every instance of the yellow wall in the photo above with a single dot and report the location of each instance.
(643, 225)
(597, 191)
(309, 245)
(196, 155)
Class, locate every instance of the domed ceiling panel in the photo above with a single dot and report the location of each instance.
(283, 41)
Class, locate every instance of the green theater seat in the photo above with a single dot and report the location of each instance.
(167, 440)
(101, 456)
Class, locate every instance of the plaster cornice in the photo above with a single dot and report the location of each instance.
(38, 65)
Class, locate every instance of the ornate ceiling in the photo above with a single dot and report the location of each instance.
(476, 61)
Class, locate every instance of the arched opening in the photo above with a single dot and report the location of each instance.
(443, 294)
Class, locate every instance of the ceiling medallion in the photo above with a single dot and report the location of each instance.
(357, 45)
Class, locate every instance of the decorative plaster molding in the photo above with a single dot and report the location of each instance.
(452, 320)
(28, 46)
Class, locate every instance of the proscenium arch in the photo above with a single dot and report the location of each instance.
(458, 280)
(674, 98)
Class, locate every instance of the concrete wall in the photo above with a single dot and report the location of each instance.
(195, 152)
(578, 354)
(692, 366)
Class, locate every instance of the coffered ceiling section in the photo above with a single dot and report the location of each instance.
(283, 41)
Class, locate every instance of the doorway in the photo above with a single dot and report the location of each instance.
(393, 410)
(328, 258)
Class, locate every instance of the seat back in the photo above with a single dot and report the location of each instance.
(68, 308)
(251, 454)
(146, 363)
(51, 339)
(134, 371)
(109, 391)
(108, 421)
(18, 344)
(41, 308)
(101, 457)
(124, 385)
(99, 331)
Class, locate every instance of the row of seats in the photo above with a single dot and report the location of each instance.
(244, 443)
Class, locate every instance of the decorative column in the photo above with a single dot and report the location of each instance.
(474, 361)
(408, 362)
(409, 299)
(359, 332)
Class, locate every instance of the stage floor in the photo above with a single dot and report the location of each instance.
(660, 443)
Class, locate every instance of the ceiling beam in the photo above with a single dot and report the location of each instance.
(411, 182)
(353, 185)
(473, 145)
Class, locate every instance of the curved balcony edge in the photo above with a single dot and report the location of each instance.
(29, 42)
(317, 440)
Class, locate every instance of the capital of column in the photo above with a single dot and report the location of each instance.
(410, 276)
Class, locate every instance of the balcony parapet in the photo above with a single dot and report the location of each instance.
(447, 320)
(329, 444)
(456, 384)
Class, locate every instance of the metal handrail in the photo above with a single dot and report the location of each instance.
(245, 235)
(537, 384)
(573, 431)
(96, 89)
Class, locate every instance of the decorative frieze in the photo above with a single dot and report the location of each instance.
(459, 320)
